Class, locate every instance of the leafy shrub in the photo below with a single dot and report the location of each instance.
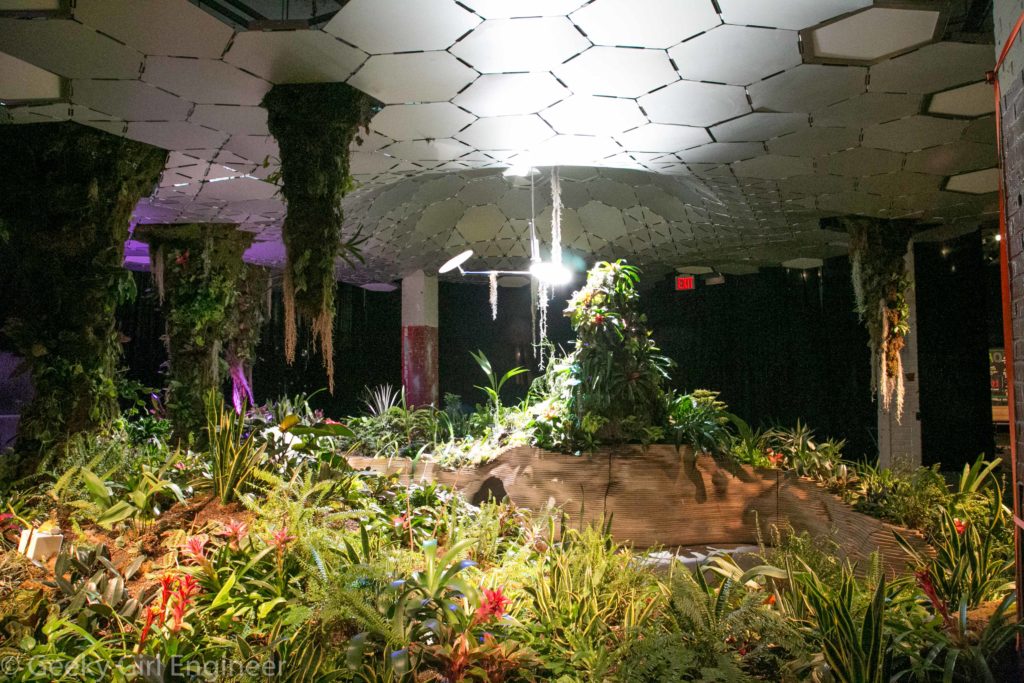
(909, 499)
(699, 420)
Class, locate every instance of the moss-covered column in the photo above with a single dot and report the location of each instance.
(881, 280)
(198, 269)
(250, 311)
(66, 197)
(314, 124)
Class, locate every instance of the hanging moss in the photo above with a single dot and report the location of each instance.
(880, 282)
(314, 125)
(66, 197)
(198, 269)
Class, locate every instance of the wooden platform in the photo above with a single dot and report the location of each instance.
(661, 497)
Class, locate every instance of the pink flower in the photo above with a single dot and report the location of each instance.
(234, 531)
(960, 526)
(180, 466)
(329, 421)
(492, 606)
(400, 522)
(195, 547)
(282, 538)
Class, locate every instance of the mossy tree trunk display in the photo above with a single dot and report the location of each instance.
(252, 305)
(199, 273)
(66, 199)
(878, 250)
(314, 124)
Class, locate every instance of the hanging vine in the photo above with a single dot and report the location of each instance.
(493, 295)
(314, 124)
(202, 272)
(880, 284)
(66, 202)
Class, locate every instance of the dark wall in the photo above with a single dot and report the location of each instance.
(367, 348)
(780, 345)
(465, 325)
(953, 343)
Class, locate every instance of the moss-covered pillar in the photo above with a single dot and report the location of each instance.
(66, 197)
(315, 124)
(882, 260)
(198, 270)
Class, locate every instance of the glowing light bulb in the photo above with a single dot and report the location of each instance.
(551, 273)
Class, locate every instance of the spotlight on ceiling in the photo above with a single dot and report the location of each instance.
(519, 171)
(456, 262)
(551, 273)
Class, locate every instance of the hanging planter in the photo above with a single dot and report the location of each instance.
(880, 284)
(314, 124)
(65, 209)
(199, 273)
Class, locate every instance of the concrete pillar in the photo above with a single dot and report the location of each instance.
(419, 339)
(899, 443)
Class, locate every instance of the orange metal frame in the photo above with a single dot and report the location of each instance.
(1004, 271)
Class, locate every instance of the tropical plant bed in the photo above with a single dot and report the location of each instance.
(658, 496)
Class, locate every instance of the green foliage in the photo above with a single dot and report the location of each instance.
(66, 211)
(591, 601)
(91, 591)
(853, 645)
(314, 125)
(199, 272)
(699, 420)
(139, 499)
(616, 372)
(234, 455)
(911, 499)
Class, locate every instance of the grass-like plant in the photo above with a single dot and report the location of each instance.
(234, 454)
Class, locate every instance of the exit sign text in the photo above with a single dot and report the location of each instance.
(685, 283)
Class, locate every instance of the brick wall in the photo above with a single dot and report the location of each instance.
(1011, 81)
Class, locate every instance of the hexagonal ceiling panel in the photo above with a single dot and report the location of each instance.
(686, 132)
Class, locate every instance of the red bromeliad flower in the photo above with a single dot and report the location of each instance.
(400, 522)
(770, 600)
(924, 582)
(282, 538)
(492, 606)
(151, 614)
(187, 588)
(195, 547)
(960, 525)
(182, 260)
(329, 421)
(234, 531)
(167, 585)
(774, 458)
(598, 319)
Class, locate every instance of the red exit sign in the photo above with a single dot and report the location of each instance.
(685, 283)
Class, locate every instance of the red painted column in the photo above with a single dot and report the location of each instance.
(419, 339)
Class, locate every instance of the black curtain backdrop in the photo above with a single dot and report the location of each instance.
(780, 345)
(954, 330)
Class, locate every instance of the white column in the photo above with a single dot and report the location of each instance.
(419, 339)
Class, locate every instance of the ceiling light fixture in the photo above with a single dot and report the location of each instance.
(545, 274)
